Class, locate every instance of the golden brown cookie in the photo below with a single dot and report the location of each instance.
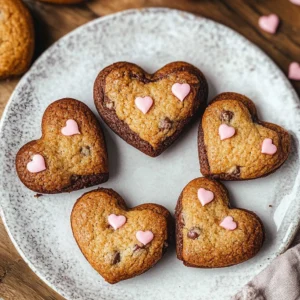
(149, 111)
(118, 242)
(235, 145)
(209, 234)
(62, 1)
(70, 155)
(16, 38)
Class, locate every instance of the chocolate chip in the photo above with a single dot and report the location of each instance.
(137, 247)
(109, 104)
(194, 233)
(116, 258)
(165, 124)
(86, 151)
(226, 116)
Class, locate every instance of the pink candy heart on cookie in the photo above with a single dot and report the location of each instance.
(71, 128)
(226, 132)
(228, 223)
(37, 164)
(268, 147)
(145, 237)
(297, 2)
(205, 196)
(294, 71)
(116, 221)
(181, 90)
(143, 103)
(269, 23)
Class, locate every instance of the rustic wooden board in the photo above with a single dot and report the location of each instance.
(17, 281)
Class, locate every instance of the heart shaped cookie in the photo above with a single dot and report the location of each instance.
(118, 242)
(235, 145)
(214, 235)
(149, 111)
(70, 155)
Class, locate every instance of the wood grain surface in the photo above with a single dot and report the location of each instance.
(17, 281)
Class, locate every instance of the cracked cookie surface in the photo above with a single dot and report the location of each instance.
(240, 156)
(68, 162)
(119, 85)
(201, 241)
(16, 38)
(116, 252)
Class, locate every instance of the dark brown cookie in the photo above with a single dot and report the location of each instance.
(118, 242)
(149, 111)
(209, 234)
(70, 155)
(235, 145)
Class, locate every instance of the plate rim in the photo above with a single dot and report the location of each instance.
(103, 19)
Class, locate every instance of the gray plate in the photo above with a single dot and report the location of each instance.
(40, 228)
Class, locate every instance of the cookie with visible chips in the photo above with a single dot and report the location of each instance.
(118, 242)
(235, 145)
(70, 155)
(149, 111)
(210, 234)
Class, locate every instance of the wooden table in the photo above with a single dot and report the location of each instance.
(17, 281)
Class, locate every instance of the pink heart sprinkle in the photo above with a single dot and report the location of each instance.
(228, 223)
(205, 196)
(143, 103)
(181, 90)
(297, 2)
(226, 132)
(144, 237)
(37, 164)
(116, 221)
(71, 128)
(294, 71)
(268, 147)
(269, 23)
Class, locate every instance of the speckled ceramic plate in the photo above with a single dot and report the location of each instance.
(40, 228)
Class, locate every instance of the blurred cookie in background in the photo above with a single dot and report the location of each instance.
(16, 38)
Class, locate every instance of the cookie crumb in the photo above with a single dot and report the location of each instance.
(86, 151)
(109, 104)
(270, 205)
(38, 195)
(181, 219)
